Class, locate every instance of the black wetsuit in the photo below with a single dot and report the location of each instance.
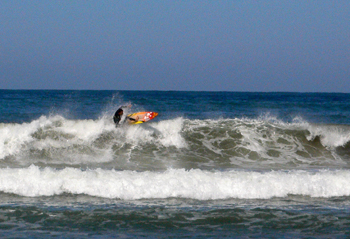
(116, 118)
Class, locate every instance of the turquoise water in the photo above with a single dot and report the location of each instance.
(212, 164)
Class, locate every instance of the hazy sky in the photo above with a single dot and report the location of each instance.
(257, 45)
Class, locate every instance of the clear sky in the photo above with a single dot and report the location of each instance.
(216, 45)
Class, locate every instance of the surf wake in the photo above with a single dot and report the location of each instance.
(174, 183)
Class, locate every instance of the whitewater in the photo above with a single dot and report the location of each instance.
(178, 183)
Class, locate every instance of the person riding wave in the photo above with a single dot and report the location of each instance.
(119, 113)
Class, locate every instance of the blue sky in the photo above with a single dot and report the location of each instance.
(257, 45)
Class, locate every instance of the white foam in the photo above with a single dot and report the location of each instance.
(74, 141)
(166, 133)
(171, 132)
(58, 140)
(195, 184)
(55, 133)
(13, 136)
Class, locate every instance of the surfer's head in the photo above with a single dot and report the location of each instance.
(119, 111)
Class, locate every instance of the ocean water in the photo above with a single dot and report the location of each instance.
(211, 165)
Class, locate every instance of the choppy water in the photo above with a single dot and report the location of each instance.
(212, 164)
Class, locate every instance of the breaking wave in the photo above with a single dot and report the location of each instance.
(177, 143)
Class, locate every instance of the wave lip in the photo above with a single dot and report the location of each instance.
(179, 183)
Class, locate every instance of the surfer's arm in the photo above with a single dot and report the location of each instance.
(125, 106)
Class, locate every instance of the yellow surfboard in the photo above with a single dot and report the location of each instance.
(141, 117)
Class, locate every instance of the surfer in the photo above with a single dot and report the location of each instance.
(119, 113)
